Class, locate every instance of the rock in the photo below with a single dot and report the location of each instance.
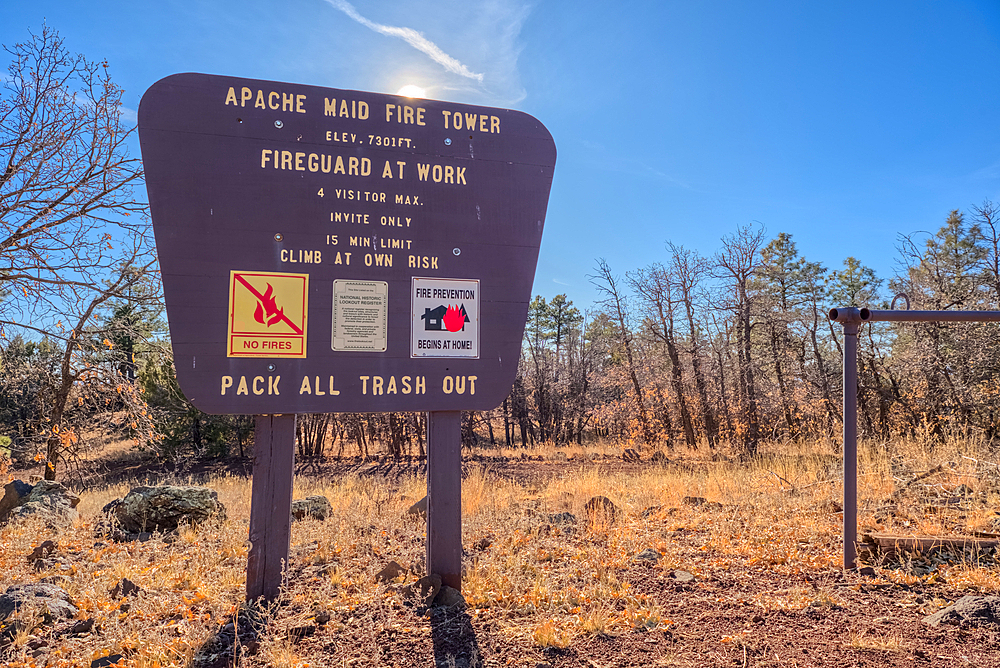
(831, 506)
(683, 576)
(164, 507)
(630, 455)
(559, 456)
(106, 661)
(418, 508)
(45, 549)
(601, 509)
(483, 543)
(969, 610)
(49, 500)
(562, 518)
(659, 457)
(54, 599)
(80, 627)
(649, 554)
(391, 571)
(428, 588)
(867, 571)
(125, 587)
(316, 507)
(450, 598)
(694, 501)
(651, 512)
(14, 494)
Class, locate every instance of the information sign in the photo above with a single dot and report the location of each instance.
(360, 310)
(328, 250)
(267, 314)
(445, 318)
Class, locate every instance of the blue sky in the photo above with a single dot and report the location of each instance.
(843, 124)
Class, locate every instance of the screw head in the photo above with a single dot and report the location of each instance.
(279, 124)
(278, 236)
(270, 367)
(447, 142)
(456, 251)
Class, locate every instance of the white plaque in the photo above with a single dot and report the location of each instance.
(360, 314)
(444, 317)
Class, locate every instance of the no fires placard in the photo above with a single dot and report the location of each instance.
(267, 314)
(445, 317)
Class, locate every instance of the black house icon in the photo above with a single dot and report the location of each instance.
(433, 318)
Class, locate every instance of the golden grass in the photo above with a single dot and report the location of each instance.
(542, 580)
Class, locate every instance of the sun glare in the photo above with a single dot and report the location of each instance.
(410, 90)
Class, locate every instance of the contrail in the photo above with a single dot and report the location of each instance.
(411, 37)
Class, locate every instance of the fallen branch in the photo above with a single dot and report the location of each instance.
(890, 543)
(927, 474)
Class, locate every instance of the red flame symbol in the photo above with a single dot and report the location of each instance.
(454, 319)
(267, 308)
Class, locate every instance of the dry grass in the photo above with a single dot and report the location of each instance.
(541, 580)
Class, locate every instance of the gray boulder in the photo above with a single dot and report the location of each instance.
(47, 499)
(969, 610)
(562, 518)
(315, 507)
(450, 598)
(601, 509)
(164, 507)
(418, 508)
(647, 555)
(14, 494)
(54, 600)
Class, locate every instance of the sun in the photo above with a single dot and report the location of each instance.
(411, 90)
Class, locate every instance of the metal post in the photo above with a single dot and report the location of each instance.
(270, 504)
(444, 496)
(850, 443)
(851, 318)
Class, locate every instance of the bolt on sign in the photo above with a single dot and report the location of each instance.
(328, 250)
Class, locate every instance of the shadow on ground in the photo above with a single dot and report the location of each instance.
(455, 643)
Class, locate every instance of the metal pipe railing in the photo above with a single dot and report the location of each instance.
(872, 315)
(852, 318)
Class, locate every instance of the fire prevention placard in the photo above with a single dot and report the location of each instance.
(445, 317)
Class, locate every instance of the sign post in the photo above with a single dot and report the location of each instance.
(270, 504)
(444, 496)
(331, 251)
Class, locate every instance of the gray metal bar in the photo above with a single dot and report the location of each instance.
(851, 318)
(850, 443)
(871, 315)
(270, 504)
(444, 496)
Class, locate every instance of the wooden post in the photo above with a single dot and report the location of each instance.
(444, 496)
(270, 504)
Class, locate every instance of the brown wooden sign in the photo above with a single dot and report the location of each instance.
(326, 250)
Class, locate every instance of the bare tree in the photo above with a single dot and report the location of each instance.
(736, 264)
(73, 238)
(615, 302)
(658, 293)
(689, 270)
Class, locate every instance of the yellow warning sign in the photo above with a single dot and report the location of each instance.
(267, 314)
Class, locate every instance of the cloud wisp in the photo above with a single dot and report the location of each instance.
(411, 37)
